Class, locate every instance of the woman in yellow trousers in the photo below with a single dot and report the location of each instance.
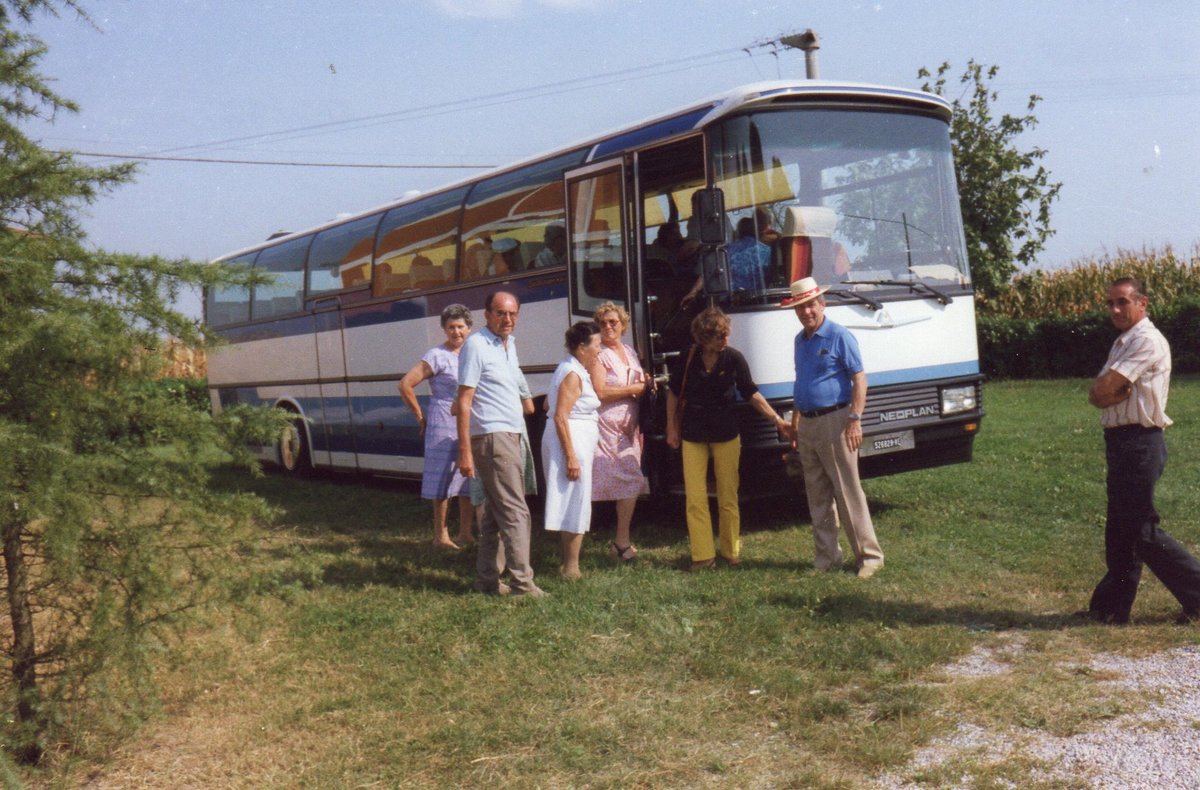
(701, 391)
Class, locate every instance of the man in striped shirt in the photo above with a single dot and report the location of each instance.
(1131, 392)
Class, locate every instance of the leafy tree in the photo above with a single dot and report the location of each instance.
(110, 533)
(1005, 193)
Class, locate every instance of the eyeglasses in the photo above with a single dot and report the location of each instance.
(611, 322)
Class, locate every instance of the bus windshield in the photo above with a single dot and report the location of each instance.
(861, 198)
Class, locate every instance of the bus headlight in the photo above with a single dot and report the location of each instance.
(958, 399)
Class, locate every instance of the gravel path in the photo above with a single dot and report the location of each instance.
(1157, 749)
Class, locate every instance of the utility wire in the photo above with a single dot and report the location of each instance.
(549, 91)
(534, 91)
(482, 102)
(156, 158)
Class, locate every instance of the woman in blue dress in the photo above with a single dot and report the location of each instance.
(441, 479)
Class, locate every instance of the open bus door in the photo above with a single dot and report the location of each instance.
(599, 265)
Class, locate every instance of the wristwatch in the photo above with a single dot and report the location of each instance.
(853, 416)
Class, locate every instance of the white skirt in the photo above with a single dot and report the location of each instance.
(569, 502)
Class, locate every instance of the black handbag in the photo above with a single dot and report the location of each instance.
(648, 407)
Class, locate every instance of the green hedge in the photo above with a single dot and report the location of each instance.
(194, 392)
(1073, 346)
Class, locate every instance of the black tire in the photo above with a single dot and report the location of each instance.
(292, 451)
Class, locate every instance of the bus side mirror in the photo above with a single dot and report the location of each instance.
(714, 263)
(708, 208)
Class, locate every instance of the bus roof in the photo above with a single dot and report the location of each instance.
(695, 116)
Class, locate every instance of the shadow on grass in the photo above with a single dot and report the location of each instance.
(370, 531)
(855, 608)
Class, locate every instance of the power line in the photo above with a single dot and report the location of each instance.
(534, 91)
(542, 91)
(299, 134)
(157, 158)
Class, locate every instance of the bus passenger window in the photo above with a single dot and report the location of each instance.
(283, 295)
(410, 238)
(341, 256)
(508, 219)
(229, 304)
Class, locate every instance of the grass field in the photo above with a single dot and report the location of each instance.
(371, 665)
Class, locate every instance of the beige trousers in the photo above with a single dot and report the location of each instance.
(834, 492)
(499, 464)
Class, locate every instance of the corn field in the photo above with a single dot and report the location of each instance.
(184, 361)
(1080, 287)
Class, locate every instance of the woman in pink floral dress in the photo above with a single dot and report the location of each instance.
(619, 380)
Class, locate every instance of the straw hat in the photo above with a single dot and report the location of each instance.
(803, 290)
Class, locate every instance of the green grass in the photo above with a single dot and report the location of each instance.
(371, 663)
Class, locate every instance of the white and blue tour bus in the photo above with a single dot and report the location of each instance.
(852, 184)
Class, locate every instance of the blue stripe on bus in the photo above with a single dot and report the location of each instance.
(652, 132)
(382, 425)
(926, 373)
(552, 285)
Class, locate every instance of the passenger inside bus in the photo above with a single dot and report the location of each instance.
(477, 258)
(748, 258)
(388, 282)
(506, 256)
(555, 251)
(749, 261)
(424, 274)
(662, 252)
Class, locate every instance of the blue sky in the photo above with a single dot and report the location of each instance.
(1120, 81)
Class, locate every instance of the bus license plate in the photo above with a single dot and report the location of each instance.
(887, 443)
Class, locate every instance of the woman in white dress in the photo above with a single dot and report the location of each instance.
(567, 450)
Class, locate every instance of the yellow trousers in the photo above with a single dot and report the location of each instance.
(725, 457)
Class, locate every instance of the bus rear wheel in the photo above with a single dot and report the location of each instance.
(292, 449)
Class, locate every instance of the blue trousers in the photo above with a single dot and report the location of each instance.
(1136, 456)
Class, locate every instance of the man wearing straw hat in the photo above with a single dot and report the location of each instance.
(828, 397)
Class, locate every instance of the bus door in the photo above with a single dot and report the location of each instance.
(332, 442)
(598, 268)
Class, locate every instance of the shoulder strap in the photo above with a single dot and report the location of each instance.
(686, 367)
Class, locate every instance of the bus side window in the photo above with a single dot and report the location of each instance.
(410, 238)
(341, 256)
(229, 304)
(283, 295)
(511, 221)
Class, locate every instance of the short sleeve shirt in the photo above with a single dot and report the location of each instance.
(825, 366)
(1142, 355)
(748, 262)
(493, 369)
(708, 414)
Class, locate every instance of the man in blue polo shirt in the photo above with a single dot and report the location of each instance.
(829, 396)
(490, 422)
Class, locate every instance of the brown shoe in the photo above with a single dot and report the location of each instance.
(703, 565)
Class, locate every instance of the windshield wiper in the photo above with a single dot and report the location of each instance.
(874, 304)
(916, 285)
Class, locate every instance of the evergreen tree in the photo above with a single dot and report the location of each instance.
(1004, 192)
(110, 532)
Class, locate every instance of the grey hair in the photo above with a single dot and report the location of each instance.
(457, 312)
